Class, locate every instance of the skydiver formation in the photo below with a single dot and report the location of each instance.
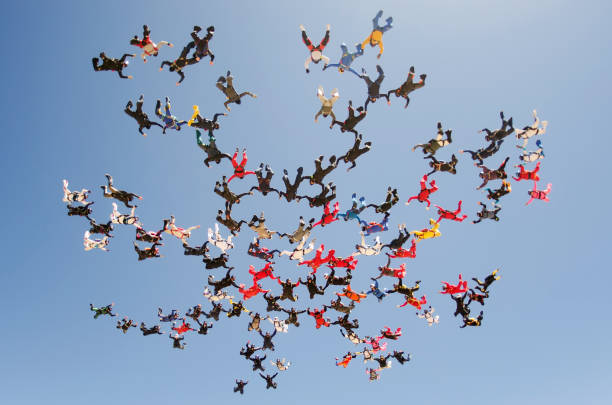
(346, 293)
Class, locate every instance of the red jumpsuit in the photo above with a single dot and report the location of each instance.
(528, 175)
(183, 328)
(452, 215)
(376, 346)
(460, 288)
(415, 302)
(318, 316)
(251, 291)
(315, 263)
(401, 252)
(345, 360)
(347, 262)
(263, 273)
(400, 272)
(239, 170)
(387, 334)
(536, 194)
(328, 217)
(423, 195)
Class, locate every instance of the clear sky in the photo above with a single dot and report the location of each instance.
(545, 335)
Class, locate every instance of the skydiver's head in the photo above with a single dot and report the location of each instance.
(238, 101)
(172, 68)
(372, 99)
(340, 69)
(125, 63)
(216, 125)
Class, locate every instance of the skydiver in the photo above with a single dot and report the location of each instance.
(317, 314)
(487, 214)
(216, 262)
(423, 195)
(204, 327)
(111, 192)
(355, 151)
(257, 362)
(532, 156)
(373, 373)
(346, 324)
(272, 301)
(316, 52)
(125, 324)
(112, 64)
(154, 330)
(474, 296)
(487, 174)
(269, 380)
(357, 208)
(346, 359)
(331, 279)
(261, 252)
(124, 219)
(177, 231)
(432, 146)
(149, 237)
(375, 37)
(496, 194)
(428, 315)
(353, 338)
(320, 173)
(255, 323)
(288, 287)
(293, 316)
(375, 291)
(226, 85)
(179, 64)
(499, 134)
(107, 310)
(90, 244)
(262, 231)
(408, 292)
(215, 239)
(300, 233)
(195, 312)
(531, 130)
(290, 192)
(215, 312)
(326, 103)
(327, 194)
(328, 216)
(237, 309)
(75, 196)
(299, 252)
(383, 361)
(279, 325)
(462, 309)
(408, 87)
(452, 215)
(368, 250)
(281, 365)
(267, 340)
(222, 189)
(527, 175)
(536, 194)
(224, 218)
(239, 168)
(398, 355)
(248, 351)
(252, 291)
(240, 386)
(177, 341)
(385, 270)
(402, 237)
(226, 281)
(311, 284)
(373, 86)
(149, 48)
(373, 227)
(169, 120)
(472, 321)
(460, 288)
(340, 307)
(351, 295)
(390, 200)
(214, 154)
(149, 252)
(201, 44)
(351, 122)
(346, 59)
(264, 181)
(141, 117)
(485, 152)
(172, 316)
(441, 166)
(197, 121)
(401, 252)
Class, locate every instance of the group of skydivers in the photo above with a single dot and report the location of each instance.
(460, 292)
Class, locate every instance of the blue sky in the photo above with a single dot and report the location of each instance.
(545, 335)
